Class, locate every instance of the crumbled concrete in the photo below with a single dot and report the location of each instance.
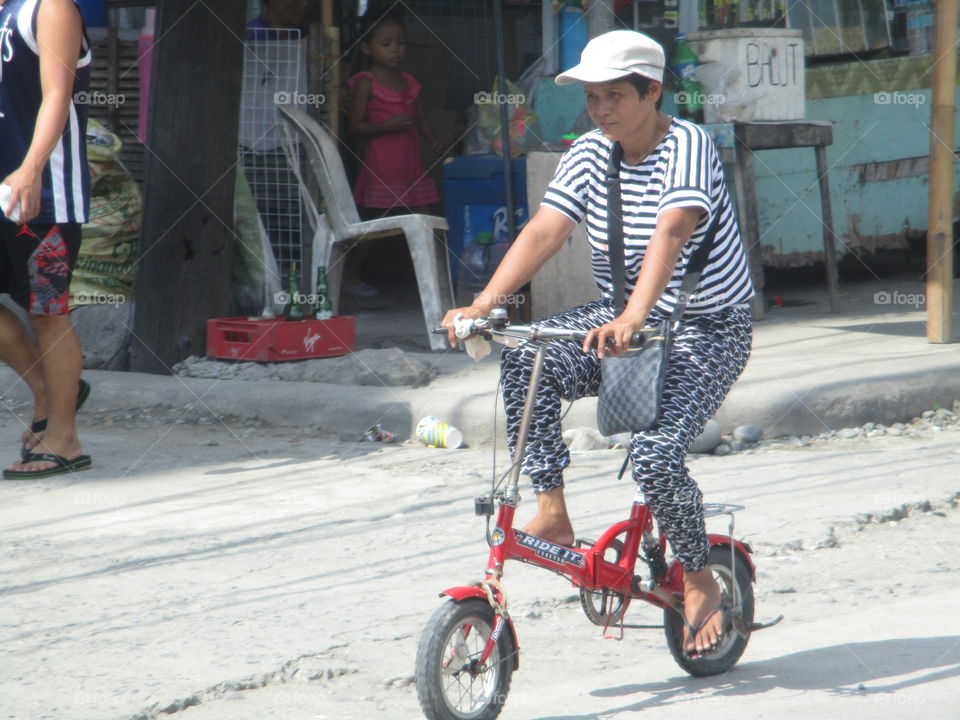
(585, 438)
(389, 367)
(104, 331)
(708, 439)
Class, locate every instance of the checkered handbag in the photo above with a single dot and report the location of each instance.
(631, 384)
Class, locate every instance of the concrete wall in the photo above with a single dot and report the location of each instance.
(565, 280)
(878, 179)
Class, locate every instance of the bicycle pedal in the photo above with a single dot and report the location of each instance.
(584, 542)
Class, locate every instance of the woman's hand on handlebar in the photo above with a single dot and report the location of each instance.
(614, 337)
(471, 313)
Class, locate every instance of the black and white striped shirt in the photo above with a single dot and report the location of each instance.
(682, 171)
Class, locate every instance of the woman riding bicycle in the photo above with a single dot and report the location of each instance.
(672, 189)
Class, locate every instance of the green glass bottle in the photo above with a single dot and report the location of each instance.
(683, 64)
(294, 309)
(323, 309)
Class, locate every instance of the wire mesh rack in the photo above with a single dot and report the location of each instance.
(274, 71)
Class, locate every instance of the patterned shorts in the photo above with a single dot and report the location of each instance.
(36, 263)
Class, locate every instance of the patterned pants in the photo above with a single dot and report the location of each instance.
(709, 352)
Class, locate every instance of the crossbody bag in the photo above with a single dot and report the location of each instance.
(632, 384)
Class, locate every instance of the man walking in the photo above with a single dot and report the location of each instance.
(44, 63)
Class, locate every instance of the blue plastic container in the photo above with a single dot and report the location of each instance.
(477, 264)
(573, 36)
(474, 198)
(94, 12)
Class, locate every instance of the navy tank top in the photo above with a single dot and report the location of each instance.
(66, 179)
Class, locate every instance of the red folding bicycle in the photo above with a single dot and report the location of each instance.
(469, 647)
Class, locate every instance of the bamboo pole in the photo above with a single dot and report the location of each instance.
(940, 207)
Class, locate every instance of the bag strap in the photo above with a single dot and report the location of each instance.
(615, 228)
(615, 251)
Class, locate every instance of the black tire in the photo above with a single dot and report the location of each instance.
(737, 595)
(449, 684)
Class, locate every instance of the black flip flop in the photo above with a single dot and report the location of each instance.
(63, 465)
(694, 654)
(38, 426)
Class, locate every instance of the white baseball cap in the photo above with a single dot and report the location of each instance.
(615, 54)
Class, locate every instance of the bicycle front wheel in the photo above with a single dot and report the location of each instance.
(452, 683)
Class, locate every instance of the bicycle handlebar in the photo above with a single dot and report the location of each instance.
(497, 330)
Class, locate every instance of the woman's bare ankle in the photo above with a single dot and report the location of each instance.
(552, 522)
(556, 529)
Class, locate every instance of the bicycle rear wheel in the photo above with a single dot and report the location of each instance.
(452, 683)
(737, 595)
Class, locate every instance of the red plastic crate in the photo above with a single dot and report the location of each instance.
(279, 339)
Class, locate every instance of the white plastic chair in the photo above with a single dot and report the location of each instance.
(338, 226)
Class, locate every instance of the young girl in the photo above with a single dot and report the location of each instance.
(386, 112)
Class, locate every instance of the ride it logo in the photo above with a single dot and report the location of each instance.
(548, 551)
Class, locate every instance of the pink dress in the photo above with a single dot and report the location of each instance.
(392, 173)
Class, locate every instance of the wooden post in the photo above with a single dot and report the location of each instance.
(749, 225)
(939, 209)
(183, 268)
(829, 250)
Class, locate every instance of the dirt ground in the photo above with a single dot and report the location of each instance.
(213, 569)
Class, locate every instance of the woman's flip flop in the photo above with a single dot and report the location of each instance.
(693, 653)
